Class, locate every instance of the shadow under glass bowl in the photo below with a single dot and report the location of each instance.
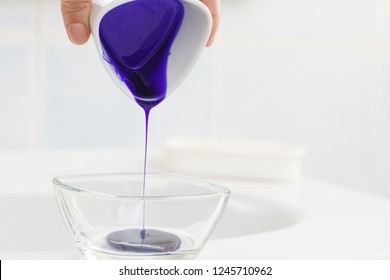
(109, 217)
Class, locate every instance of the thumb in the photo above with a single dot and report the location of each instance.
(76, 19)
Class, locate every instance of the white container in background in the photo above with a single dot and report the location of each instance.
(238, 159)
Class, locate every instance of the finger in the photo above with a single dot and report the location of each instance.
(75, 14)
(214, 7)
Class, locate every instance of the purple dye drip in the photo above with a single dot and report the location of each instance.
(136, 38)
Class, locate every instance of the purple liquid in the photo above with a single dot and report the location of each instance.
(136, 38)
(154, 241)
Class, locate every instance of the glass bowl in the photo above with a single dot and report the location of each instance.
(109, 217)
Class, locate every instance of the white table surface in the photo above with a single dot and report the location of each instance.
(335, 223)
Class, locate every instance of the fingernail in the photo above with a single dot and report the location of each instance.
(210, 43)
(77, 33)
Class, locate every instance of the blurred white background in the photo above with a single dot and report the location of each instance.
(315, 73)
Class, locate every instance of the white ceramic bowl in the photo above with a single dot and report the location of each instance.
(186, 49)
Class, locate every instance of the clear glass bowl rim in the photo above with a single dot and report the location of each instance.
(217, 190)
